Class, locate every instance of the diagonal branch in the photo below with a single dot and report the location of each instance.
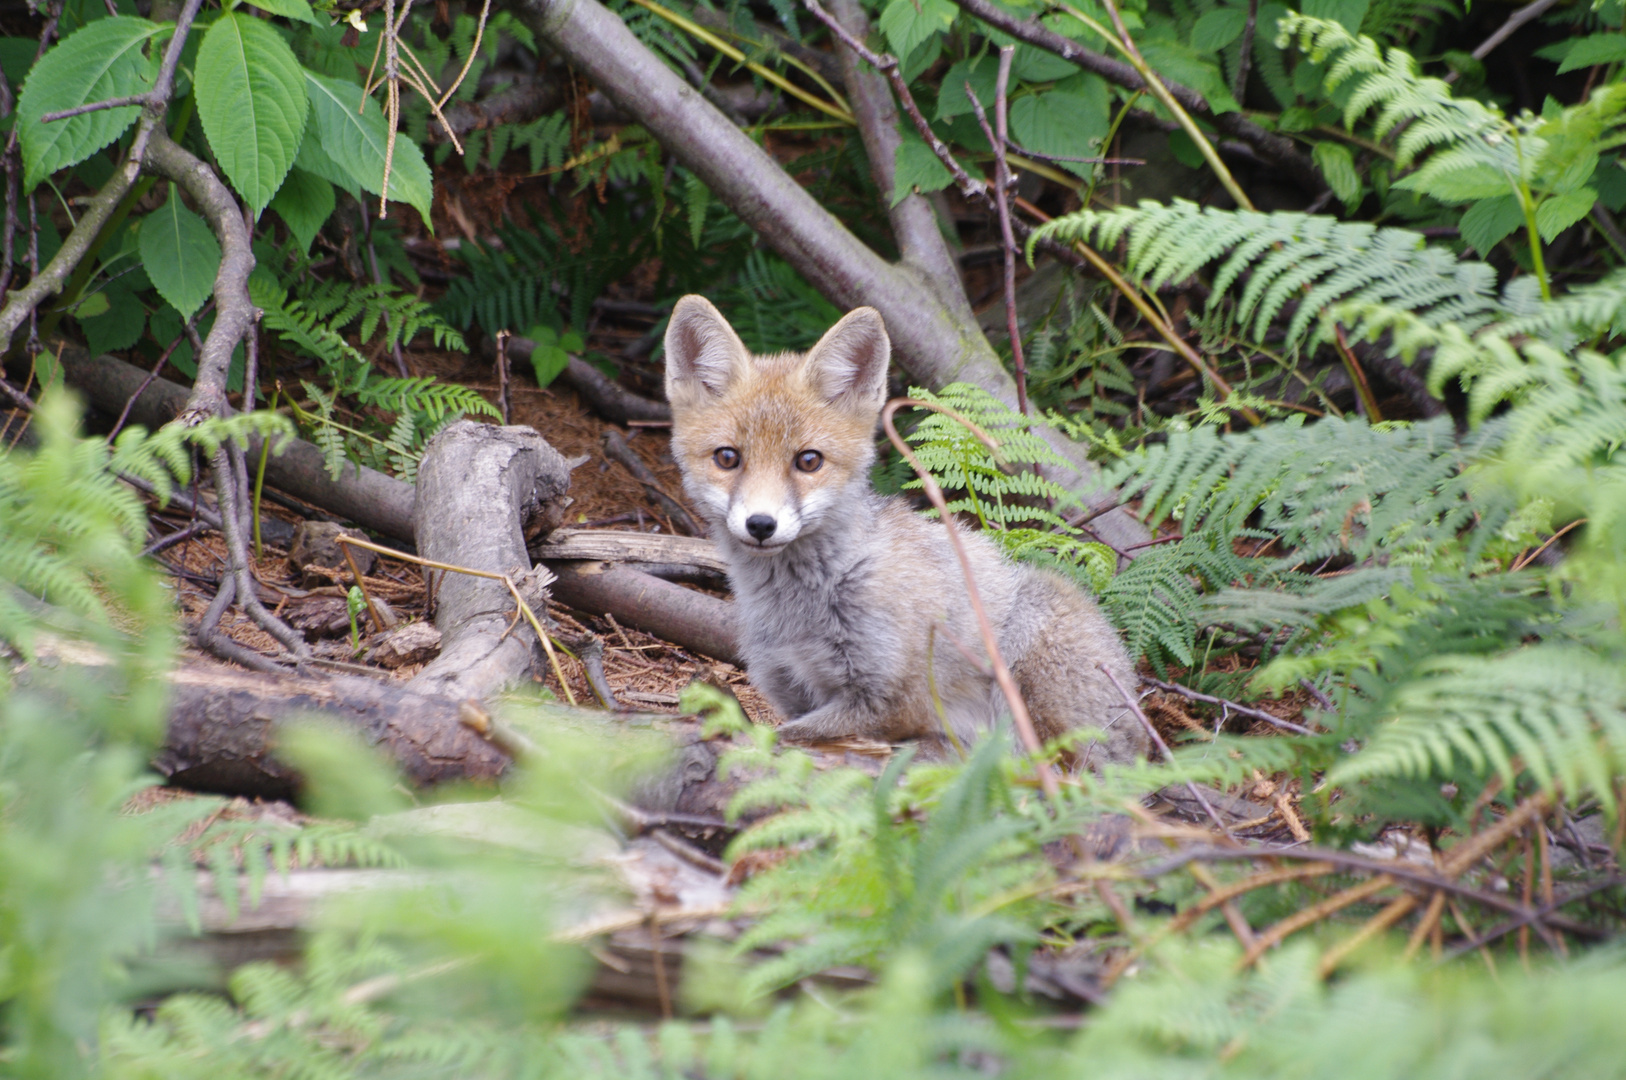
(234, 311)
(914, 223)
(933, 339)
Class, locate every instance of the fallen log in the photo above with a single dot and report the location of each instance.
(365, 496)
(694, 620)
(688, 556)
(481, 489)
(221, 734)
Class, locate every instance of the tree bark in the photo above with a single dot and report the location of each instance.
(222, 730)
(933, 337)
(479, 487)
(365, 496)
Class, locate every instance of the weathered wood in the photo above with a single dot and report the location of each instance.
(362, 495)
(222, 729)
(612, 545)
(480, 490)
(694, 620)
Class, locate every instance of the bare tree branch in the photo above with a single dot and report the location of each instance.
(234, 312)
(934, 339)
(914, 223)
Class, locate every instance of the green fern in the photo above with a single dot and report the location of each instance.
(997, 487)
(1337, 486)
(1286, 257)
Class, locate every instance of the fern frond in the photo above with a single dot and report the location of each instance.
(1558, 710)
(1288, 257)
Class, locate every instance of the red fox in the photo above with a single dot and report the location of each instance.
(853, 616)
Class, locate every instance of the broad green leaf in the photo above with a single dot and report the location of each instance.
(298, 10)
(1594, 49)
(304, 202)
(1067, 121)
(251, 99)
(1177, 60)
(1337, 165)
(355, 141)
(119, 321)
(907, 23)
(1033, 64)
(314, 160)
(1489, 221)
(1561, 211)
(180, 254)
(549, 356)
(982, 73)
(917, 167)
(104, 60)
(1218, 28)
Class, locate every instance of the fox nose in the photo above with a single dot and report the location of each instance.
(760, 526)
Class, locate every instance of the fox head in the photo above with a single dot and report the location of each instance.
(768, 444)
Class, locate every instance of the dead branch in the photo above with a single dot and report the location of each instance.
(479, 489)
(362, 495)
(693, 620)
(935, 337)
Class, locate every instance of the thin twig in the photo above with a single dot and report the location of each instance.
(1239, 709)
(997, 138)
(1002, 673)
(1163, 747)
(94, 106)
(502, 373)
(1239, 84)
(152, 376)
(1525, 561)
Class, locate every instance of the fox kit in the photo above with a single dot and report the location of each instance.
(852, 608)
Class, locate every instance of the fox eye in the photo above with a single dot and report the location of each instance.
(809, 460)
(726, 457)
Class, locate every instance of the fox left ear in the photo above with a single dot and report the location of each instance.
(849, 363)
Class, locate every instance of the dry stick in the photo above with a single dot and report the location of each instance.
(1467, 928)
(1240, 710)
(1239, 85)
(1397, 910)
(1154, 82)
(355, 572)
(661, 989)
(1501, 929)
(530, 615)
(734, 54)
(1313, 914)
(118, 426)
(502, 373)
(1002, 673)
(1357, 375)
(1425, 925)
(617, 449)
(1163, 747)
(1525, 561)
(1002, 193)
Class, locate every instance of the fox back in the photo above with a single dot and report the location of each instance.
(853, 615)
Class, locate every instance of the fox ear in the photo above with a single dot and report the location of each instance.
(849, 363)
(701, 348)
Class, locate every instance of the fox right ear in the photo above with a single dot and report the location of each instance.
(701, 348)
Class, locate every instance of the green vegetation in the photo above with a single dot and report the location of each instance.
(1440, 598)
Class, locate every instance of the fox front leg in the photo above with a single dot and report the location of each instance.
(845, 717)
